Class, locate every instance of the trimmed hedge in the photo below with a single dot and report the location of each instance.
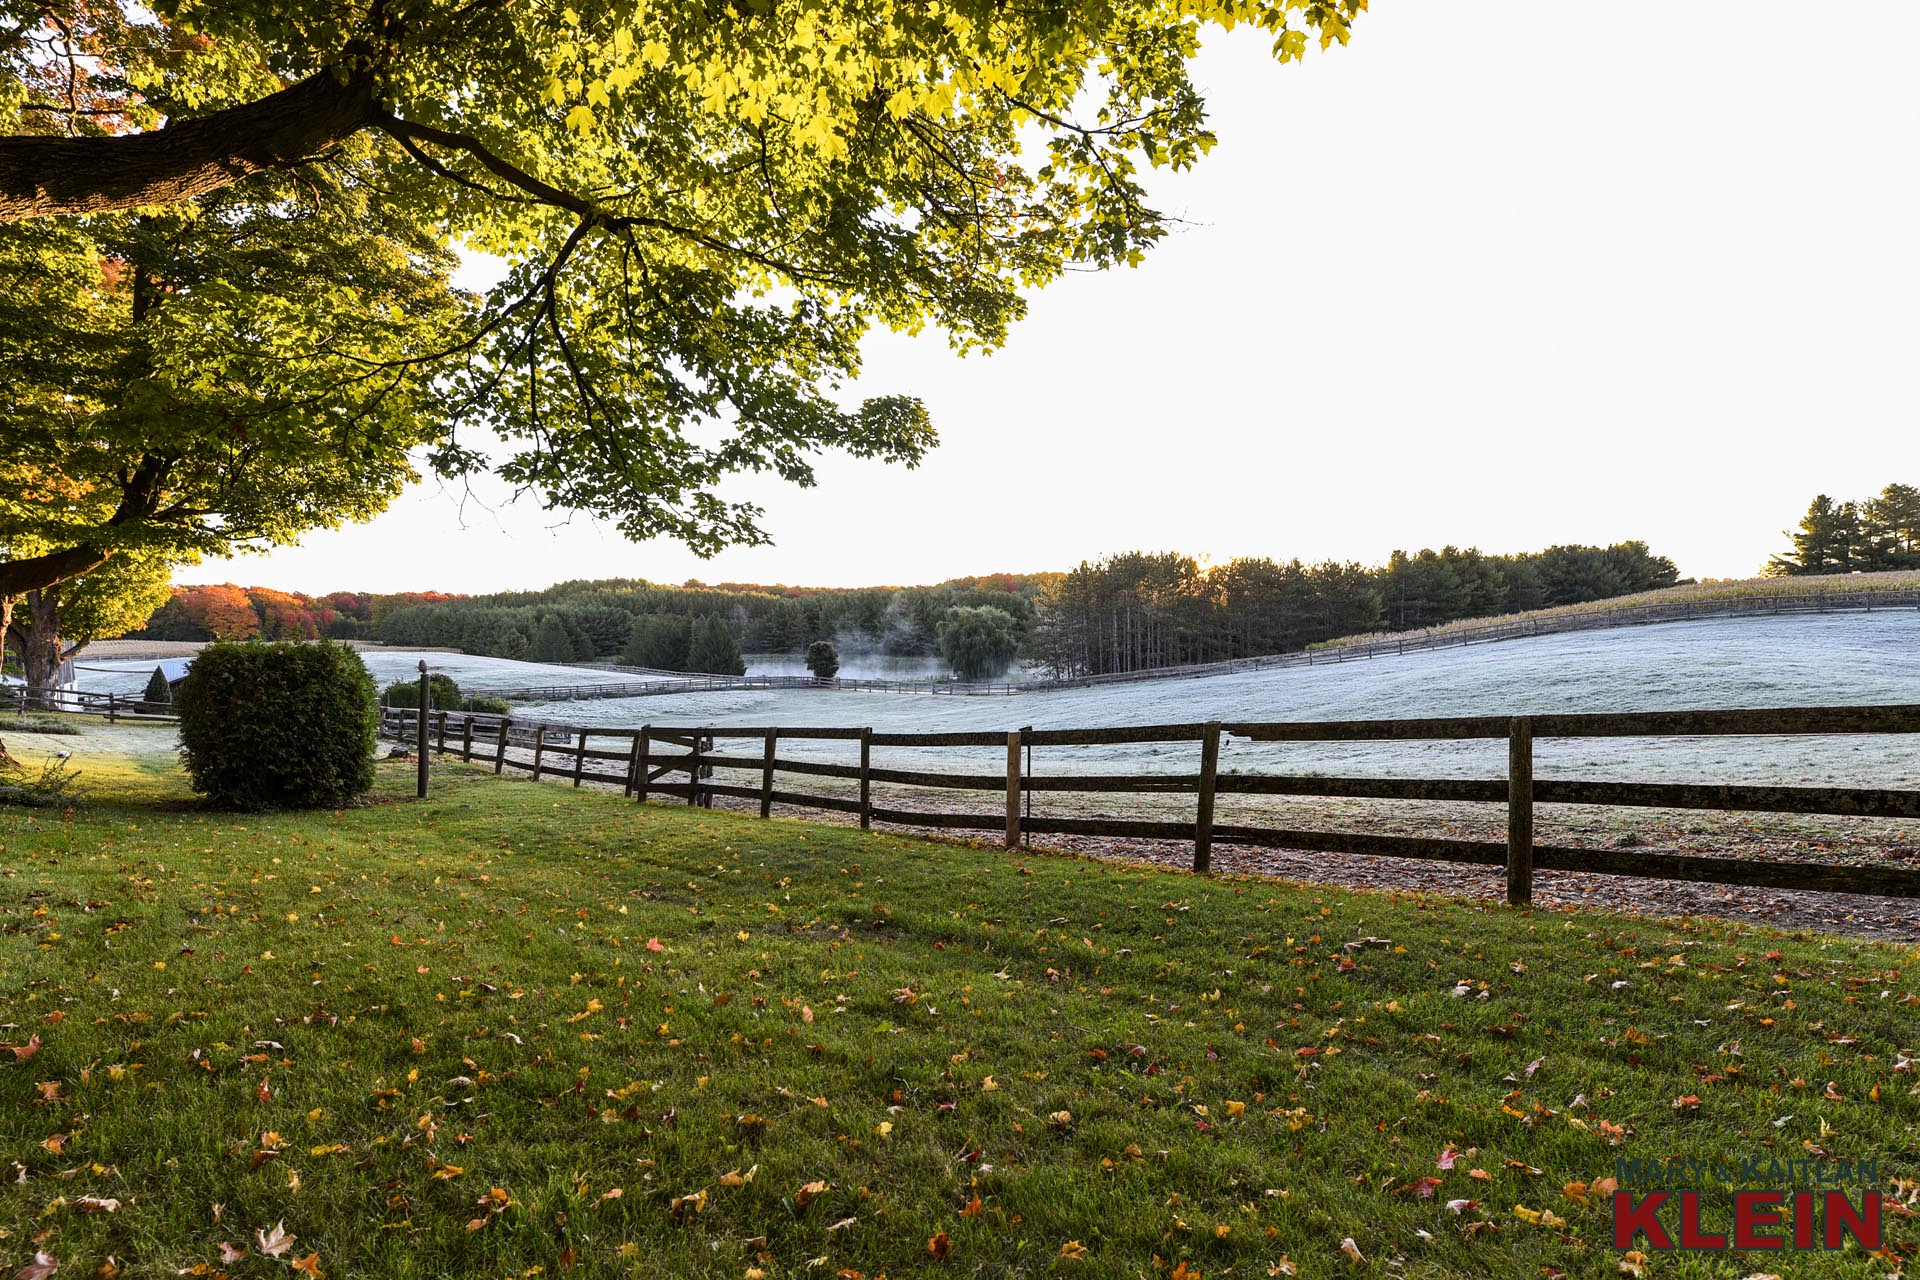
(278, 726)
(443, 693)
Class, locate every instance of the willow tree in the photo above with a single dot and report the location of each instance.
(702, 208)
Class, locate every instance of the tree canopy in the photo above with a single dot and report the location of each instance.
(211, 376)
(701, 208)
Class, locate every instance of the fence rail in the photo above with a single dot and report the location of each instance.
(643, 770)
(16, 699)
(1392, 643)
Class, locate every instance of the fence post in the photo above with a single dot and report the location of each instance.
(420, 736)
(110, 709)
(579, 755)
(1203, 811)
(500, 747)
(539, 748)
(466, 738)
(866, 781)
(633, 766)
(693, 770)
(1520, 812)
(641, 773)
(708, 743)
(1013, 790)
(766, 775)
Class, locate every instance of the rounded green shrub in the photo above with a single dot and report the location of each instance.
(278, 726)
(443, 693)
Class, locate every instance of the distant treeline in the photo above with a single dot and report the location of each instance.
(1137, 611)
(1869, 535)
(227, 612)
(651, 625)
(1122, 613)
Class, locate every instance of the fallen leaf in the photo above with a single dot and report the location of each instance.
(276, 1242)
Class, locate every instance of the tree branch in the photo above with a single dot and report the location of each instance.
(45, 176)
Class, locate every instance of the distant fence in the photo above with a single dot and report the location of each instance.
(639, 765)
(1389, 643)
(16, 699)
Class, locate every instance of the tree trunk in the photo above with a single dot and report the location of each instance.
(6, 624)
(46, 176)
(40, 649)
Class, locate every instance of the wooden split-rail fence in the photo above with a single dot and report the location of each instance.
(643, 759)
(115, 707)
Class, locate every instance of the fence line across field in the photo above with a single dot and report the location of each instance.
(1393, 643)
(114, 707)
(647, 756)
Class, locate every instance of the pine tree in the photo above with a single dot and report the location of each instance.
(1825, 542)
(159, 692)
(657, 641)
(823, 660)
(713, 650)
(551, 643)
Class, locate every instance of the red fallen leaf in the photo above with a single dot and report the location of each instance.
(1690, 1102)
(265, 1091)
(1306, 1052)
(231, 1253)
(21, 1052)
(568, 1261)
(1446, 1159)
(654, 944)
(940, 1246)
(1423, 1187)
(944, 1107)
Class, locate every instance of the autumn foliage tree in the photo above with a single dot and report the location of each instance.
(701, 210)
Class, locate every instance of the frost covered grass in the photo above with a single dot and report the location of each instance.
(518, 1027)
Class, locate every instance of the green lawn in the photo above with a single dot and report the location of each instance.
(520, 1030)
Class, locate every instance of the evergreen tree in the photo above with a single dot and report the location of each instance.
(657, 641)
(551, 643)
(159, 692)
(516, 645)
(823, 660)
(713, 650)
(1824, 541)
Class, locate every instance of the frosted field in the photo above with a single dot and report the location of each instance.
(1832, 660)
(1809, 660)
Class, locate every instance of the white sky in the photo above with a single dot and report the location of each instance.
(1504, 275)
